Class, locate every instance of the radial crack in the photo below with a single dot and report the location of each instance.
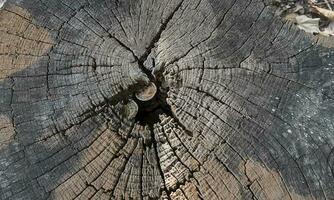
(155, 145)
(157, 37)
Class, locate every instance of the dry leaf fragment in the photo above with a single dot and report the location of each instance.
(329, 14)
(291, 17)
(298, 8)
(309, 25)
(2, 2)
(329, 30)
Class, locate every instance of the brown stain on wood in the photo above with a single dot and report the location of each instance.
(22, 43)
(268, 183)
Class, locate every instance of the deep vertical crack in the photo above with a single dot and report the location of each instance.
(249, 182)
(157, 37)
(141, 60)
(11, 107)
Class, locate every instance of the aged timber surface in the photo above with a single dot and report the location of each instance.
(163, 99)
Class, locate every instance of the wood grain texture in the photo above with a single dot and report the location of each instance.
(244, 104)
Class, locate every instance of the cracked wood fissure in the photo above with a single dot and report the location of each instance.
(243, 109)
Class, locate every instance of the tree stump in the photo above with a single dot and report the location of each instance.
(163, 99)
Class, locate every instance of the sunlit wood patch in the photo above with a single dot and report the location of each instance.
(268, 183)
(22, 43)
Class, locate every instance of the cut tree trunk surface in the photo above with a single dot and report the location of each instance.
(163, 99)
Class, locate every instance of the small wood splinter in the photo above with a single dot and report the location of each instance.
(147, 93)
(131, 109)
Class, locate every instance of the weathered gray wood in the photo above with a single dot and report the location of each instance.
(244, 107)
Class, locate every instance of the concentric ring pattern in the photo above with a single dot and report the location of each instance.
(244, 106)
